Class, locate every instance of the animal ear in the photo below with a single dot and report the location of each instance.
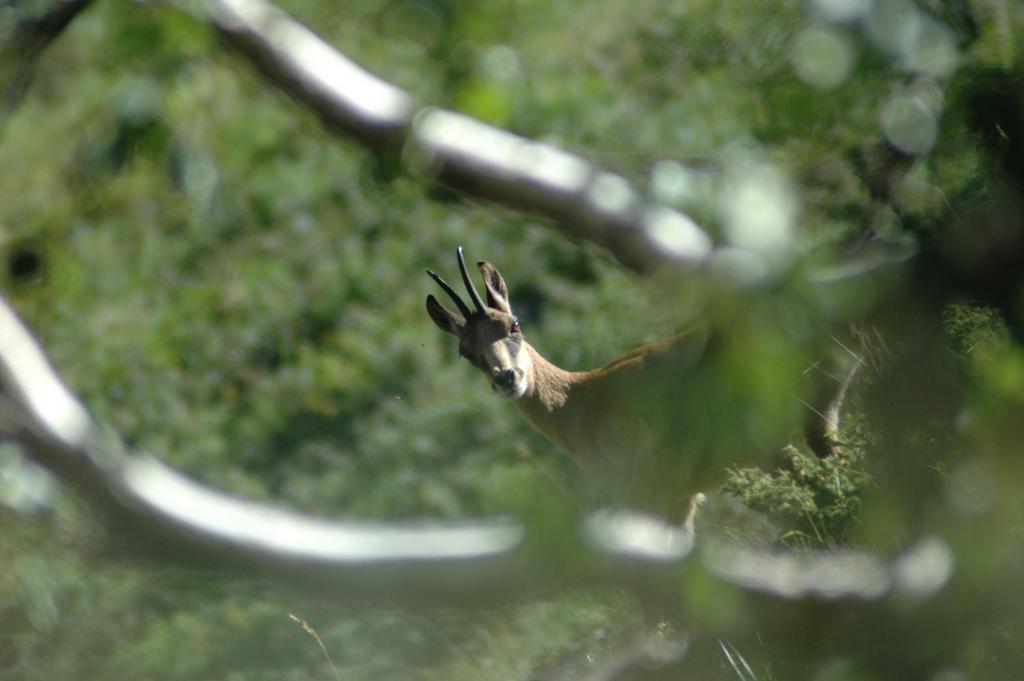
(497, 291)
(447, 321)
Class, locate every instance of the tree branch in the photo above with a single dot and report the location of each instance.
(30, 40)
(460, 152)
(156, 513)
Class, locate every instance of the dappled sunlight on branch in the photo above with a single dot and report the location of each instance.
(33, 395)
(597, 205)
(160, 514)
(828, 191)
(920, 572)
(463, 153)
(341, 91)
(154, 502)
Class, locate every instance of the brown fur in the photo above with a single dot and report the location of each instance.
(634, 425)
(615, 422)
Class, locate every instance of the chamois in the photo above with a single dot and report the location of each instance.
(638, 426)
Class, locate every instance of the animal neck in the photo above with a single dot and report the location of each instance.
(576, 409)
(548, 402)
(549, 384)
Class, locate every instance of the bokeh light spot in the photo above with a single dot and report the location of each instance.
(934, 51)
(918, 42)
(842, 10)
(909, 125)
(758, 207)
(611, 192)
(822, 57)
(500, 63)
(677, 234)
(738, 266)
(894, 26)
(672, 182)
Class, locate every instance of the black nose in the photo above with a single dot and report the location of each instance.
(505, 378)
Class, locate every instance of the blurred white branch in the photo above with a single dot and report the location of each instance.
(462, 153)
(157, 513)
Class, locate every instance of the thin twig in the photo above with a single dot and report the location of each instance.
(308, 628)
(736, 660)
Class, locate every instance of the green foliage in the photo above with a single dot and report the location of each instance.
(237, 291)
(818, 500)
(974, 330)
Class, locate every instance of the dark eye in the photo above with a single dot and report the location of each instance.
(515, 326)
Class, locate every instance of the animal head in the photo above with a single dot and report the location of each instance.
(489, 335)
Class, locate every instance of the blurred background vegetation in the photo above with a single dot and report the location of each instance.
(232, 288)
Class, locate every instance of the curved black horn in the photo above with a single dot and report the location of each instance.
(477, 300)
(463, 309)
